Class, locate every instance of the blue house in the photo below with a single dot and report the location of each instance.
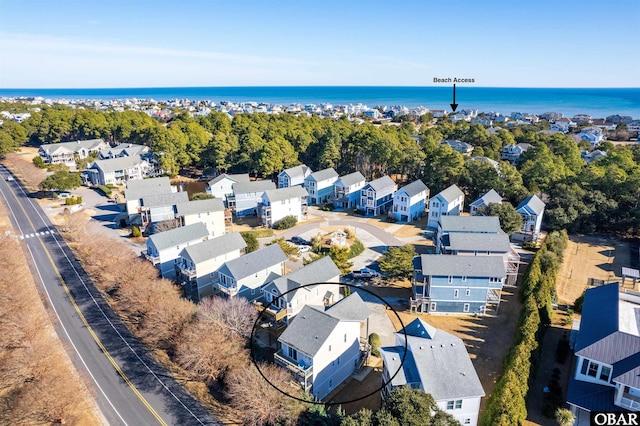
(531, 209)
(319, 185)
(247, 195)
(377, 196)
(347, 190)
(410, 201)
(293, 176)
(457, 284)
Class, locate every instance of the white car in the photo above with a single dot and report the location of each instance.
(303, 248)
(9, 178)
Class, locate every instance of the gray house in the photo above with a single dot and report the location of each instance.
(164, 248)
(466, 224)
(457, 284)
(247, 195)
(489, 197)
(293, 176)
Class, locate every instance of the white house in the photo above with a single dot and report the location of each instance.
(531, 209)
(117, 170)
(309, 285)
(512, 152)
(593, 135)
(247, 195)
(448, 202)
(293, 176)
(410, 202)
(462, 147)
(244, 276)
(210, 212)
(437, 363)
(164, 248)
(196, 265)
(607, 350)
(376, 196)
(137, 189)
(278, 203)
(590, 156)
(68, 152)
(221, 185)
(124, 150)
(319, 185)
(489, 197)
(322, 348)
(347, 190)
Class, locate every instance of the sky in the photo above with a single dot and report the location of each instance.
(156, 43)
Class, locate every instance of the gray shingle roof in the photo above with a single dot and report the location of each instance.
(489, 224)
(200, 206)
(384, 182)
(466, 266)
(487, 198)
(285, 193)
(73, 146)
(320, 271)
(309, 330)
(254, 186)
(451, 193)
(300, 171)
(414, 188)
(442, 363)
(350, 179)
(161, 200)
(253, 262)
(351, 308)
(531, 205)
(119, 163)
(214, 247)
(241, 178)
(323, 175)
(466, 241)
(180, 235)
(137, 189)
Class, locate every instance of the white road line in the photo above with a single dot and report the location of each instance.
(31, 235)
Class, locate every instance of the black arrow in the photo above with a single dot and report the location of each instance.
(454, 105)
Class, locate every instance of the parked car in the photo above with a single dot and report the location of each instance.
(365, 273)
(303, 248)
(64, 195)
(300, 241)
(9, 178)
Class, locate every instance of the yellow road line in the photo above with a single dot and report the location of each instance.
(86, 323)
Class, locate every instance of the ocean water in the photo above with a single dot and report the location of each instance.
(598, 102)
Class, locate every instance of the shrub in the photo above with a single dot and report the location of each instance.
(106, 191)
(327, 207)
(262, 233)
(286, 222)
(356, 248)
(39, 162)
(577, 305)
(251, 240)
(530, 245)
(135, 232)
(71, 201)
(375, 342)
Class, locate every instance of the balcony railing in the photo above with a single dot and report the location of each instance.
(629, 401)
(302, 372)
(273, 312)
(229, 291)
(188, 272)
(151, 258)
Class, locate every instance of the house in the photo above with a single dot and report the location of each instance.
(455, 284)
(164, 248)
(137, 189)
(484, 244)
(347, 190)
(593, 135)
(196, 265)
(590, 156)
(244, 276)
(124, 150)
(493, 163)
(324, 347)
(512, 152)
(437, 363)
(278, 203)
(410, 202)
(465, 224)
(489, 197)
(448, 202)
(293, 176)
(319, 185)
(376, 197)
(68, 152)
(462, 147)
(117, 170)
(607, 350)
(531, 209)
(309, 285)
(247, 195)
(210, 212)
(221, 185)
(158, 208)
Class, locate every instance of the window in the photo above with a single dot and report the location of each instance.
(495, 280)
(450, 279)
(293, 354)
(585, 365)
(345, 337)
(458, 403)
(329, 348)
(605, 373)
(450, 405)
(330, 383)
(467, 292)
(593, 369)
(464, 280)
(432, 308)
(465, 307)
(456, 292)
(467, 421)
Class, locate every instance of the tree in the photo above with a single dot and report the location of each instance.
(201, 196)
(251, 240)
(397, 262)
(340, 256)
(565, 417)
(62, 181)
(412, 407)
(510, 219)
(286, 222)
(289, 249)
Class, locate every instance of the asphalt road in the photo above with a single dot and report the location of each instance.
(130, 388)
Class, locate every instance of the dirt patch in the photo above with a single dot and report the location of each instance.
(412, 229)
(20, 164)
(353, 388)
(588, 257)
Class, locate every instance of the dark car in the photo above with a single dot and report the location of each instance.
(300, 240)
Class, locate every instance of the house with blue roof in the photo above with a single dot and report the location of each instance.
(607, 350)
(319, 185)
(347, 190)
(457, 284)
(437, 363)
(410, 202)
(376, 197)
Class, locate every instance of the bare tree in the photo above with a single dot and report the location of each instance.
(235, 315)
(166, 225)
